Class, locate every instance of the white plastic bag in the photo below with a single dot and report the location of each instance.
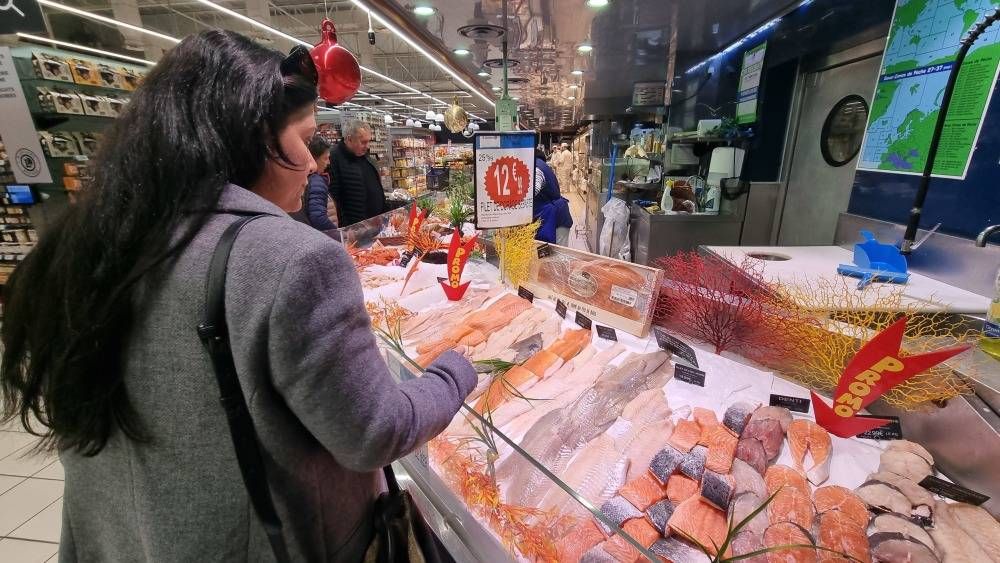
(614, 241)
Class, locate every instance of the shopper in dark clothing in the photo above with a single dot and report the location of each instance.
(549, 205)
(317, 196)
(101, 354)
(354, 180)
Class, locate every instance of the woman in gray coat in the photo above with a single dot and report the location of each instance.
(100, 340)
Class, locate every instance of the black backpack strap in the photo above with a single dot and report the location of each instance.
(214, 335)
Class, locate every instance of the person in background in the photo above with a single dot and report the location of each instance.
(562, 162)
(317, 197)
(549, 206)
(354, 180)
(101, 350)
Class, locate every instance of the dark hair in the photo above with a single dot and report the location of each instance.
(209, 113)
(318, 146)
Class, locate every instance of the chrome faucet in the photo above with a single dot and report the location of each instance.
(987, 232)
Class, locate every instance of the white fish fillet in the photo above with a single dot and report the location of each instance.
(521, 327)
(594, 473)
(983, 528)
(647, 440)
(954, 544)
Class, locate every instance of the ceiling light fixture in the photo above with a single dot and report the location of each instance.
(573, 86)
(584, 48)
(75, 47)
(424, 10)
(576, 72)
(483, 73)
(461, 51)
(570, 97)
(255, 23)
(496, 88)
(384, 23)
(109, 21)
(598, 3)
(439, 117)
(429, 116)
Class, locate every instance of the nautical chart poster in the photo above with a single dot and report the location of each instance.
(924, 39)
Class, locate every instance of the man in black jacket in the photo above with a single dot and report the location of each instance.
(354, 180)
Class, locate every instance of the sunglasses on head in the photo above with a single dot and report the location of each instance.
(299, 62)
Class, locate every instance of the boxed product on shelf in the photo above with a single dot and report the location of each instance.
(111, 77)
(87, 142)
(84, 72)
(51, 67)
(611, 292)
(60, 101)
(96, 105)
(130, 79)
(58, 144)
(72, 183)
(116, 104)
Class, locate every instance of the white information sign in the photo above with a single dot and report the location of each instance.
(17, 129)
(505, 172)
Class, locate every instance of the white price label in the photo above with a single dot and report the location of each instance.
(623, 296)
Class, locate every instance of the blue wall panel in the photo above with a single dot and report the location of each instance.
(963, 207)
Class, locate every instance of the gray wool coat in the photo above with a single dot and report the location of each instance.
(328, 412)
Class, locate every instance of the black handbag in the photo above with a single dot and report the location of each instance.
(401, 534)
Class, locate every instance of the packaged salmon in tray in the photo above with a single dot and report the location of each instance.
(606, 291)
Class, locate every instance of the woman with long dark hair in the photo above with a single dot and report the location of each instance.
(100, 340)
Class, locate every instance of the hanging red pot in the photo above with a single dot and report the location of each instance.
(339, 72)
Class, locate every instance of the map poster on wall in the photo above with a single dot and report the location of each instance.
(746, 99)
(505, 175)
(924, 39)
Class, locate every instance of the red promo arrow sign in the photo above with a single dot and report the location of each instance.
(415, 222)
(458, 255)
(877, 367)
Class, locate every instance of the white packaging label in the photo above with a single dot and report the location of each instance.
(623, 296)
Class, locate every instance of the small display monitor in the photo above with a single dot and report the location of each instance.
(20, 194)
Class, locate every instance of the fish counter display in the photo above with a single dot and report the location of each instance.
(662, 466)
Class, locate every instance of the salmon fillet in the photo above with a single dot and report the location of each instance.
(721, 449)
(584, 536)
(706, 421)
(839, 533)
(641, 531)
(812, 449)
(778, 476)
(686, 435)
(786, 533)
(789, 505)
(643, 491)
(571, 344)
(681, 487)
(622, 551)
(843, 500)
(702, 522)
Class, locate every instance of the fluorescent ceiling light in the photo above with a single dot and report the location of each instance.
(424, 10)
(570, 97)
(76, 47)
(573, 86)
(585, 47)
(109, 21)
(382, 21)
(496, 88)
(576, 72)
(461, 51)
(598, 3)
(483, 73)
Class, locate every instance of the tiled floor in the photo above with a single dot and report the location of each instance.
(31, 489)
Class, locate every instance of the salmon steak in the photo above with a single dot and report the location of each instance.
(681, 487)
(721, 449)
(790, 505)
(622, 551)
(788, 534)
(812, 449)
(642, 531)
(837, 498)
(778, 476)
(701, 522)
(643, 491)
(839, 534)
(686, 435)
(584, 536)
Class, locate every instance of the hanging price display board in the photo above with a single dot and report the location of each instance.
(505, 172)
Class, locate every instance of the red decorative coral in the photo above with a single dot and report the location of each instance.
(725, 305)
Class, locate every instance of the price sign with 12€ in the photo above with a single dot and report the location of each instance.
(505, 172)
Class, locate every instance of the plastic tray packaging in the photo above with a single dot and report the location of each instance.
(608, 291)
